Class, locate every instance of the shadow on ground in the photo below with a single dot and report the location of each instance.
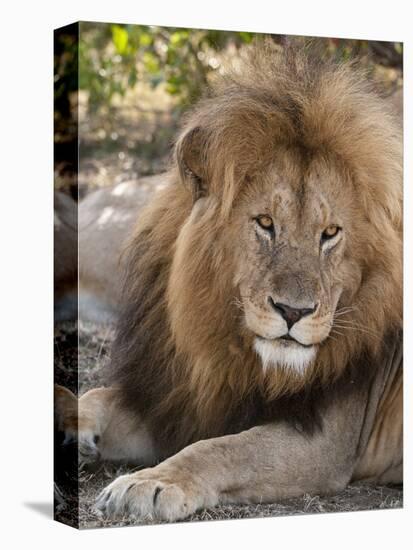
(43, 508)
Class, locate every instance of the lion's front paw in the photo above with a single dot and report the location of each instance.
(76, 425)
(150, 496)
(88, 446)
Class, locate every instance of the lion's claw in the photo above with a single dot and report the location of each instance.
(145, 497)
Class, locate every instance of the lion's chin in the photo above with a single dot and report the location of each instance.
(284, 354)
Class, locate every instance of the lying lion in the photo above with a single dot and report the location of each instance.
(259, 344)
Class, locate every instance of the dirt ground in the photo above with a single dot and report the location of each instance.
(94, 350)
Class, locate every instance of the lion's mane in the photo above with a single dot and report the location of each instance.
(181, 355)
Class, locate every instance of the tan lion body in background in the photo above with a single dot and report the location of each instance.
(259, 345)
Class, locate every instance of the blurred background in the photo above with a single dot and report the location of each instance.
(134, 82)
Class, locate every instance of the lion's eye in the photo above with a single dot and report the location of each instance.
(330, 232)
(265, 222)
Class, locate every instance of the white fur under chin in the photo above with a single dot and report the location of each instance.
(291, 356)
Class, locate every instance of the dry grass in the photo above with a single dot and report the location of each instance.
(355, 497)
(94, 346)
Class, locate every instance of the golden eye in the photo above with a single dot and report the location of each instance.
(265, 222)
(330, 232)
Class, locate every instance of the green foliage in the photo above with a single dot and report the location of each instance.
(65, 70)
(114, 58)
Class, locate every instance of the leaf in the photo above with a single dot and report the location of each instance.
(145, 39)
(172, 89)
(120, 39)
(246, 37)
(151, 62)
(178, 38)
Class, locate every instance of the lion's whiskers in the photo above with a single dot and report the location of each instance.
(347, 327)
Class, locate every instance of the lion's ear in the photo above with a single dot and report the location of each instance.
(190, 156)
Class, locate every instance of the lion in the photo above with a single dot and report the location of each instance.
(258, 353)
(65, 257)
(106, 219)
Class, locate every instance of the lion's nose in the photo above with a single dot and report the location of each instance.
(291, 314)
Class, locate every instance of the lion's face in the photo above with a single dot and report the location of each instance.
(293, 209)
(292, 265)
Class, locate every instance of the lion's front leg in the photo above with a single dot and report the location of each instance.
(84, 420)
(103, 430)
(263, 464)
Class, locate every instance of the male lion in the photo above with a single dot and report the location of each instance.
(259, 345)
